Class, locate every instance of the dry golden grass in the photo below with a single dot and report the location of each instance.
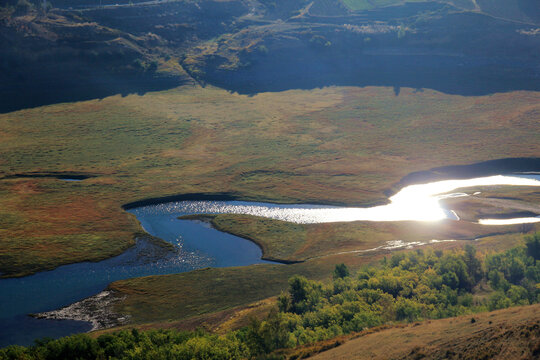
(219, 322)
(504, 334)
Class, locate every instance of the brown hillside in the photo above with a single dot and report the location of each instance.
(504, 334)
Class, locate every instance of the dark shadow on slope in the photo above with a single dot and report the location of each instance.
(486, 168)
(32, 92)
(450, 51)
(449, 74)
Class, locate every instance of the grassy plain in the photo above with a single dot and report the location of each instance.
(341, 145)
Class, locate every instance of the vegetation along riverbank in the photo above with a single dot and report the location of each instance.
(406, 287)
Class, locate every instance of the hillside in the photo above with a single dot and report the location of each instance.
(103, 48)
(386, 310)
(503, 334)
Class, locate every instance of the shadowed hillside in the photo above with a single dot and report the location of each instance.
(92, 49)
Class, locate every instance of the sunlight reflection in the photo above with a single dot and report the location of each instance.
(527, 220)
(419, 202)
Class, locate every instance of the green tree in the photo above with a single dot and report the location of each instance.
(533, 246)
(407, 309)
(516, 270)
(498, 301)
(341, 271)
(474, 265)
(284, 302)
(518, 295)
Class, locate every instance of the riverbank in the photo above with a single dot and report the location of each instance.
(97, 310)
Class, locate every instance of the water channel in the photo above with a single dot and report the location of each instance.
(198, 245)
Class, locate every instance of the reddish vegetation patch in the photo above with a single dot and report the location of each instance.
(73, 213)
(26, 187)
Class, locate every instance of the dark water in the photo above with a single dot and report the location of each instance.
(197, 246)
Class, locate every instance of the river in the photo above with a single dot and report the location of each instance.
(197, 245)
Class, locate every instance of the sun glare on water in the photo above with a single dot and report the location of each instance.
(419, 202)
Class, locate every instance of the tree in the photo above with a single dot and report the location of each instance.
(341, 271)
(407, 309)
(517, 270)
(298, 288)
(498, 301)
(284, 302)
(533, 246)
(451, 279)
(474, 266)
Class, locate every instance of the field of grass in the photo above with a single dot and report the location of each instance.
(219, 322)
(333, 145)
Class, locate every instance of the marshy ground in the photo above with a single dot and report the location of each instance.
(327, 145)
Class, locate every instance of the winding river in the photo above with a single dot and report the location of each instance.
(198, 245)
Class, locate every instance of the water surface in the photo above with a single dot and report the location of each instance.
(197, 246)
(420, 202)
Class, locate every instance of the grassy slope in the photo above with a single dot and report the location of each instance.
(344, 145)
(504, 334)
(219, 322)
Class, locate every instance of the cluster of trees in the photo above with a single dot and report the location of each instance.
(407, 287)
(134, 344)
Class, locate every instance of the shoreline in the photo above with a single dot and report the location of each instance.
(96, 310)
